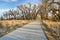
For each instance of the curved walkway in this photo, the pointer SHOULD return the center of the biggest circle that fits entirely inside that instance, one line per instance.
(31, 31)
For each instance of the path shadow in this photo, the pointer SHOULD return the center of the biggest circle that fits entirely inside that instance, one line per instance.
(50, 30)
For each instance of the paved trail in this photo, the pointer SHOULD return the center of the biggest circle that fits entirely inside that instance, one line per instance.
(31, 31)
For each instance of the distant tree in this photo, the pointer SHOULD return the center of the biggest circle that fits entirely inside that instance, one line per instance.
(44, 8)
(29, 11)
(1, 17)
(11, 14)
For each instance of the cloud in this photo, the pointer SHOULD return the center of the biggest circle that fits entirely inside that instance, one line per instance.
(2, 11)
(6, 10)
(14, 0)
(9, 0)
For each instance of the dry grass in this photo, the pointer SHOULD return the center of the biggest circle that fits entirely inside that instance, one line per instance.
(14, 22)
(7, 26)
(50, 28)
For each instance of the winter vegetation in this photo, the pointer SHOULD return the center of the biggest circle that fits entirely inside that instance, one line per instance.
(48, 10)
(7, 26)
(23, 12)
(51, 19)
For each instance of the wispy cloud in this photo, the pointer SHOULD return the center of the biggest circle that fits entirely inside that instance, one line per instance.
(9, 0)
(2, 11)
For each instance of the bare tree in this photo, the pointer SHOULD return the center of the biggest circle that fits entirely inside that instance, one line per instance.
(28, 12)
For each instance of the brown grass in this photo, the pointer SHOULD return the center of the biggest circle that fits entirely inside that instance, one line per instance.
(14, 22)
(50, 29)
(7, 26)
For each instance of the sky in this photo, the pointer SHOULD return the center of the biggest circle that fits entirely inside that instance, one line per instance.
(5, 5)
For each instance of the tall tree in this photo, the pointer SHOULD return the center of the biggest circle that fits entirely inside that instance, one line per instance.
(29, 11)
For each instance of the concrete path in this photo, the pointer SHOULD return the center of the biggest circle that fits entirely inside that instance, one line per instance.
(32, 31)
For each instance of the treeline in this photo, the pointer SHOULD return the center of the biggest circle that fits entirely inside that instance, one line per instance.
(51, 6)
(23, 12)
(30, 11)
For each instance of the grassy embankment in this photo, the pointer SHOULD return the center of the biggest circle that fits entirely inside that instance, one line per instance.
(50, 28)
(7, 26)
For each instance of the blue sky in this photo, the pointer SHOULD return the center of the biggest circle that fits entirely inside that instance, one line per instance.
(9, 4)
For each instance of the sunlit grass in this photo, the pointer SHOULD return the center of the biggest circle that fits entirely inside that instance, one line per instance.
(7, 26)
(14, 22)
(50, 28)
